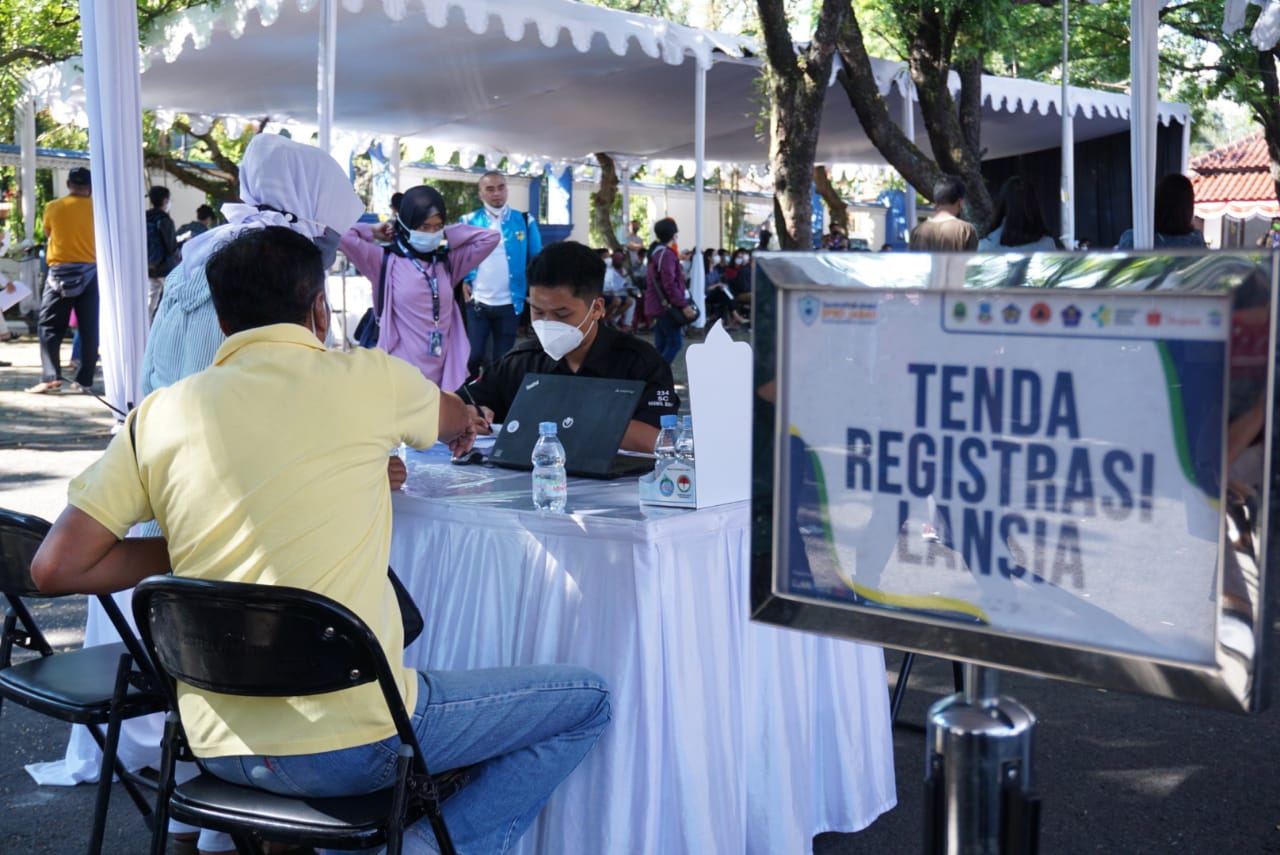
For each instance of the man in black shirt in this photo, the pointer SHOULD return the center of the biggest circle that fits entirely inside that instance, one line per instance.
(566, 307)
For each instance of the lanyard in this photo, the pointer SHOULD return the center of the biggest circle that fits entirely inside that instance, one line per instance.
(431, 280)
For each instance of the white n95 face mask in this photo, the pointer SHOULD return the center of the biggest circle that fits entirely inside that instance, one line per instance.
(557, 338)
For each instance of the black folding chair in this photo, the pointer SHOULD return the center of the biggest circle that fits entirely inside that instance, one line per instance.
(272, 641)
(93, 686)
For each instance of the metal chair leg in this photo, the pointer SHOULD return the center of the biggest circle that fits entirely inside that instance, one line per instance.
(107, 767)
(900, 688)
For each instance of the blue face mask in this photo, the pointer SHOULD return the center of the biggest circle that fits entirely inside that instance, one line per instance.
(425, 242)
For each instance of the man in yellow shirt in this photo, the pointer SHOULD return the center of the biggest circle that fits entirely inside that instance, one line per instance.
(72, 284)
(254, 476)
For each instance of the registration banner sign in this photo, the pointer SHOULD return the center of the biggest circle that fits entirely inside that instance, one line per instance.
(993, 473)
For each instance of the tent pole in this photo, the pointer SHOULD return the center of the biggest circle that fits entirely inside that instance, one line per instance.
(1186, 145)
(626, 196)
(324, 85)
(1068, 224)
(1144, 24)
(27, 144)
(698, 285)
(395, 164)
(909, 128)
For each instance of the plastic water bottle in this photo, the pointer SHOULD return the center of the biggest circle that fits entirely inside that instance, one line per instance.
(664, 447)
(550, 483)
(684, 439)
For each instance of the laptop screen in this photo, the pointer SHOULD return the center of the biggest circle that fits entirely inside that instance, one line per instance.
(591, 415)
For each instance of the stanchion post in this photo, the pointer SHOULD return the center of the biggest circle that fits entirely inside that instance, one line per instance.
(979, 796)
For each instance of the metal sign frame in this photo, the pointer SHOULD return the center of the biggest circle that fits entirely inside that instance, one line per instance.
(1233, 680)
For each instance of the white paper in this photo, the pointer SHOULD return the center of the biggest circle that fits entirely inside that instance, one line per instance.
(9, 296)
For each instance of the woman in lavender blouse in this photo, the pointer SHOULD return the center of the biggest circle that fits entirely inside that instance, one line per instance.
(421, 322)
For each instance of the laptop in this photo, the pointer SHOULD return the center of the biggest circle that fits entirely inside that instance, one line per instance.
(591, 415)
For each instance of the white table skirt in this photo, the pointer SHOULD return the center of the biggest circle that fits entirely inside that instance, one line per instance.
(727, 736)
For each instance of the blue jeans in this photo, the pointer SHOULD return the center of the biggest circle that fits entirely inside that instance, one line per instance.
(528, 726)
(485, 323)
(667, 338)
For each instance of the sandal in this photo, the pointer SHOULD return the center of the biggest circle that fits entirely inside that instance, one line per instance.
(44, 387)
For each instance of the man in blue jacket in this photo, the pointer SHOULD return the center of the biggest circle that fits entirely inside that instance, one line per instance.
(495, 293)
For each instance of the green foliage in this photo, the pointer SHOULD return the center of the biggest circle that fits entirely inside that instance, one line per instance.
(639, 211)
(460, 197)
(1199, 65)
(672, 10)
(34, 33)
(44, 193)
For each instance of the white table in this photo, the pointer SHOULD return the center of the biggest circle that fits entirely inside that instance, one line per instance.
(727, 736)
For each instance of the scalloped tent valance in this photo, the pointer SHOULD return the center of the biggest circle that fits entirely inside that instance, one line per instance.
(552, 79)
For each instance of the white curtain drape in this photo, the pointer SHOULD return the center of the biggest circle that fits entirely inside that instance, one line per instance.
(114, 103)
(698, 279)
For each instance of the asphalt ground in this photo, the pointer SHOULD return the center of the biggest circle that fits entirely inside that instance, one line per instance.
(1118, 773)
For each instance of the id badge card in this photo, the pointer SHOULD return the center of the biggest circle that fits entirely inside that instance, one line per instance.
(435, 344)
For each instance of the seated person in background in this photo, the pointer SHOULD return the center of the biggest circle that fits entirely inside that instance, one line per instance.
(618, 303)
(836, 240)
(1175, 215)
(719, 297)
(301, 500)
(1018, 222)
(566, 305)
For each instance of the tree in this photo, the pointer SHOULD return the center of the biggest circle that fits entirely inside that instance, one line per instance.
(1244, 73)
(836, 205)
(188, 163)
(602, 202)
(796, 78)
(934, 38)
(35, 33)
(1199, 64)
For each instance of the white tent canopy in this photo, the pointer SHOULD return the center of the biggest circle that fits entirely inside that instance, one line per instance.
(546, 78)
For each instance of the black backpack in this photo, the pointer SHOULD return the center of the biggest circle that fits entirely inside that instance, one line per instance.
(156, 254)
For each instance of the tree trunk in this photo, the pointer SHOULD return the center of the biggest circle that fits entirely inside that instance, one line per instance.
(981, 206)
(859, 83)
(797, 82)
(602, 206)
(218, 191)
(838, 207)
(954, 131)
(1267, 111)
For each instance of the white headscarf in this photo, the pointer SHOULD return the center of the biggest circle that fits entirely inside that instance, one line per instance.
(305, 186)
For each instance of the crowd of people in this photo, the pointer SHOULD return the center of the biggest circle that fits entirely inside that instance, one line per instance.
(452, 296)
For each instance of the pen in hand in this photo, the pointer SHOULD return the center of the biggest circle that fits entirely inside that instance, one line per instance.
(483, 423)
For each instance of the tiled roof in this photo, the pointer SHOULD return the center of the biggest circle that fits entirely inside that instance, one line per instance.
(1238, 173)
(1253, 186)
(1246, 153)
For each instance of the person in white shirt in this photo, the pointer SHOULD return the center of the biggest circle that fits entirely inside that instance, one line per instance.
(494, 294)
(619, 305)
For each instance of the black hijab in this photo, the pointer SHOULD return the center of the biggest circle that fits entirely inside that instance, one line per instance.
(418, 205)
